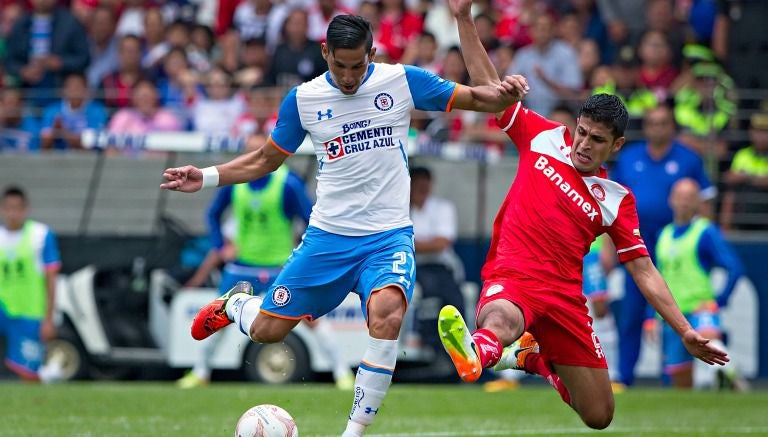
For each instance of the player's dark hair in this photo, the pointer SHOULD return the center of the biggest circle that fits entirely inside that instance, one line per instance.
(14, 191)
(607, 109)
(421, 173)
(349, 32)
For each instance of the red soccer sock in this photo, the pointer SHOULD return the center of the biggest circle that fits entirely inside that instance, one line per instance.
(536, 363)
(488, 347)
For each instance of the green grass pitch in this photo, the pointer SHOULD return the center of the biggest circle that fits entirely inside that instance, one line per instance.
(160, 409)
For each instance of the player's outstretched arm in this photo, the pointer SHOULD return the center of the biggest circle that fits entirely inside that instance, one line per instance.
(479, 65)
(246, 167)
(656, 291)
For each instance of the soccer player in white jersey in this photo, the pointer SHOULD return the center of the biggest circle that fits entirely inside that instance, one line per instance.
(360, 236)
(531, 301)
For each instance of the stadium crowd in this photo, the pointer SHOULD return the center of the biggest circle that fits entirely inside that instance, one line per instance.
(222, 66)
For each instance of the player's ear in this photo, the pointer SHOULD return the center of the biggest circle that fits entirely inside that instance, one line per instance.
(325, 51)
(617, 143)
(372, 54)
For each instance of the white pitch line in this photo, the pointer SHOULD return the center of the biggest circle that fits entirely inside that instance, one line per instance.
(579, 430)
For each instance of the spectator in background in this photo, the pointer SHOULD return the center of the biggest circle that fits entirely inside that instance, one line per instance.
(103, 46)
(656, 70)
(589, 60)
(550, 65)
(622, 81)
(649, 168)
(117, 87)
(297, 58)
(260, 19)
(254, 63)
(64, 121)
(399, 26)
(132, 18)
(435, 229)
(201, 46)
(29, 264)
(44, 46)
(320, 14)
(158, 38)
(261, 116)
(687, 251)
(623, 20)
(19, 130)
(740, 41)
(145, 115)
(215, 111)
(9, 14)
(745, 203)
(423, 53)
(176, 76)
(704, 107)
(660, 17)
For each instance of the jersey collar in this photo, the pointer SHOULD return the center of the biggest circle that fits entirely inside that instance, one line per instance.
(367, 75)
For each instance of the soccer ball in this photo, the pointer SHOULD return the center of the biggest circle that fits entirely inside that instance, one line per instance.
(266, 421)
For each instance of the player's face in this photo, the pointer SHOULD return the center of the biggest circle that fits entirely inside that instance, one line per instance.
(593, 143)
(13, 211)
(348, 66)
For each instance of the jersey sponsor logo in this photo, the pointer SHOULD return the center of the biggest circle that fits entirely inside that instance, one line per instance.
(543, 164)
(334, 148)
(598, 191)
(328, 114)
(281, 296)
(359, 141)
(383, 102)
(360, 124)
(494, 289)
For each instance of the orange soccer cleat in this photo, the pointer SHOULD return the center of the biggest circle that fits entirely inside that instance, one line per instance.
(515, 354)
(213, 316)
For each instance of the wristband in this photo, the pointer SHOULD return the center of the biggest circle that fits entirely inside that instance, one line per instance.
(210, 177)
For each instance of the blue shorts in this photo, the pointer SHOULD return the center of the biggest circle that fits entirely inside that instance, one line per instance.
(675, 356)
(24, 351)
(326, 267)
(259, 277)
(595, 286)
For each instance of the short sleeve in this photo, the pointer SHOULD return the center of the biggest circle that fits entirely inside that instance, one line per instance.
(625, 231)
(430, 92)
(51, 255)
(522, 125)
(288, 133)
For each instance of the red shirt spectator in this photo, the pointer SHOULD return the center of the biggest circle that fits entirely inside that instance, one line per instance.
(398, 27)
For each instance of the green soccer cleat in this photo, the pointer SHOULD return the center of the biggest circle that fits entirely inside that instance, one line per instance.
(457, 341)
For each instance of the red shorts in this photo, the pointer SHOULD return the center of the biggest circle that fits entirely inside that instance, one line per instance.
(558, 320)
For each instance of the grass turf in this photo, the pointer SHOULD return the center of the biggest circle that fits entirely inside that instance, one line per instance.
(160, 409)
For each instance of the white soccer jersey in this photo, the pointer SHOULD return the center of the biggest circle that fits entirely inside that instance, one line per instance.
(361, 141)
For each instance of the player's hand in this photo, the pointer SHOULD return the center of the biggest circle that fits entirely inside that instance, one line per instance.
(460, 7)
(699, 347)
(514, 87)
(47, 330)
(187, 179)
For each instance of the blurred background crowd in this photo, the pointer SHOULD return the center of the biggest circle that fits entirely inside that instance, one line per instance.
(222, 66)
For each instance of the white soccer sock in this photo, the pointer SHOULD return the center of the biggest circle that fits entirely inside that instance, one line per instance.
(242, 309)
(371, 384)
(332, 349)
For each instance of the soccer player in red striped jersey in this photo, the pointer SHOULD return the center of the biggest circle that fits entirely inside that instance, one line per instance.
(532, 314)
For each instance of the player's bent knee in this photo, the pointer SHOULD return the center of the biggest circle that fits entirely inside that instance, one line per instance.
(261, 335)
(598, 418)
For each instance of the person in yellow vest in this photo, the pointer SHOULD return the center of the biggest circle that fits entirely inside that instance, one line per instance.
(686, 251)
(29, 263)
(747, 179)
(255, 248)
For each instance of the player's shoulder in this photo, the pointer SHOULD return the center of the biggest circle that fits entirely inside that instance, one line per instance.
(681, 151)
(39, 230)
